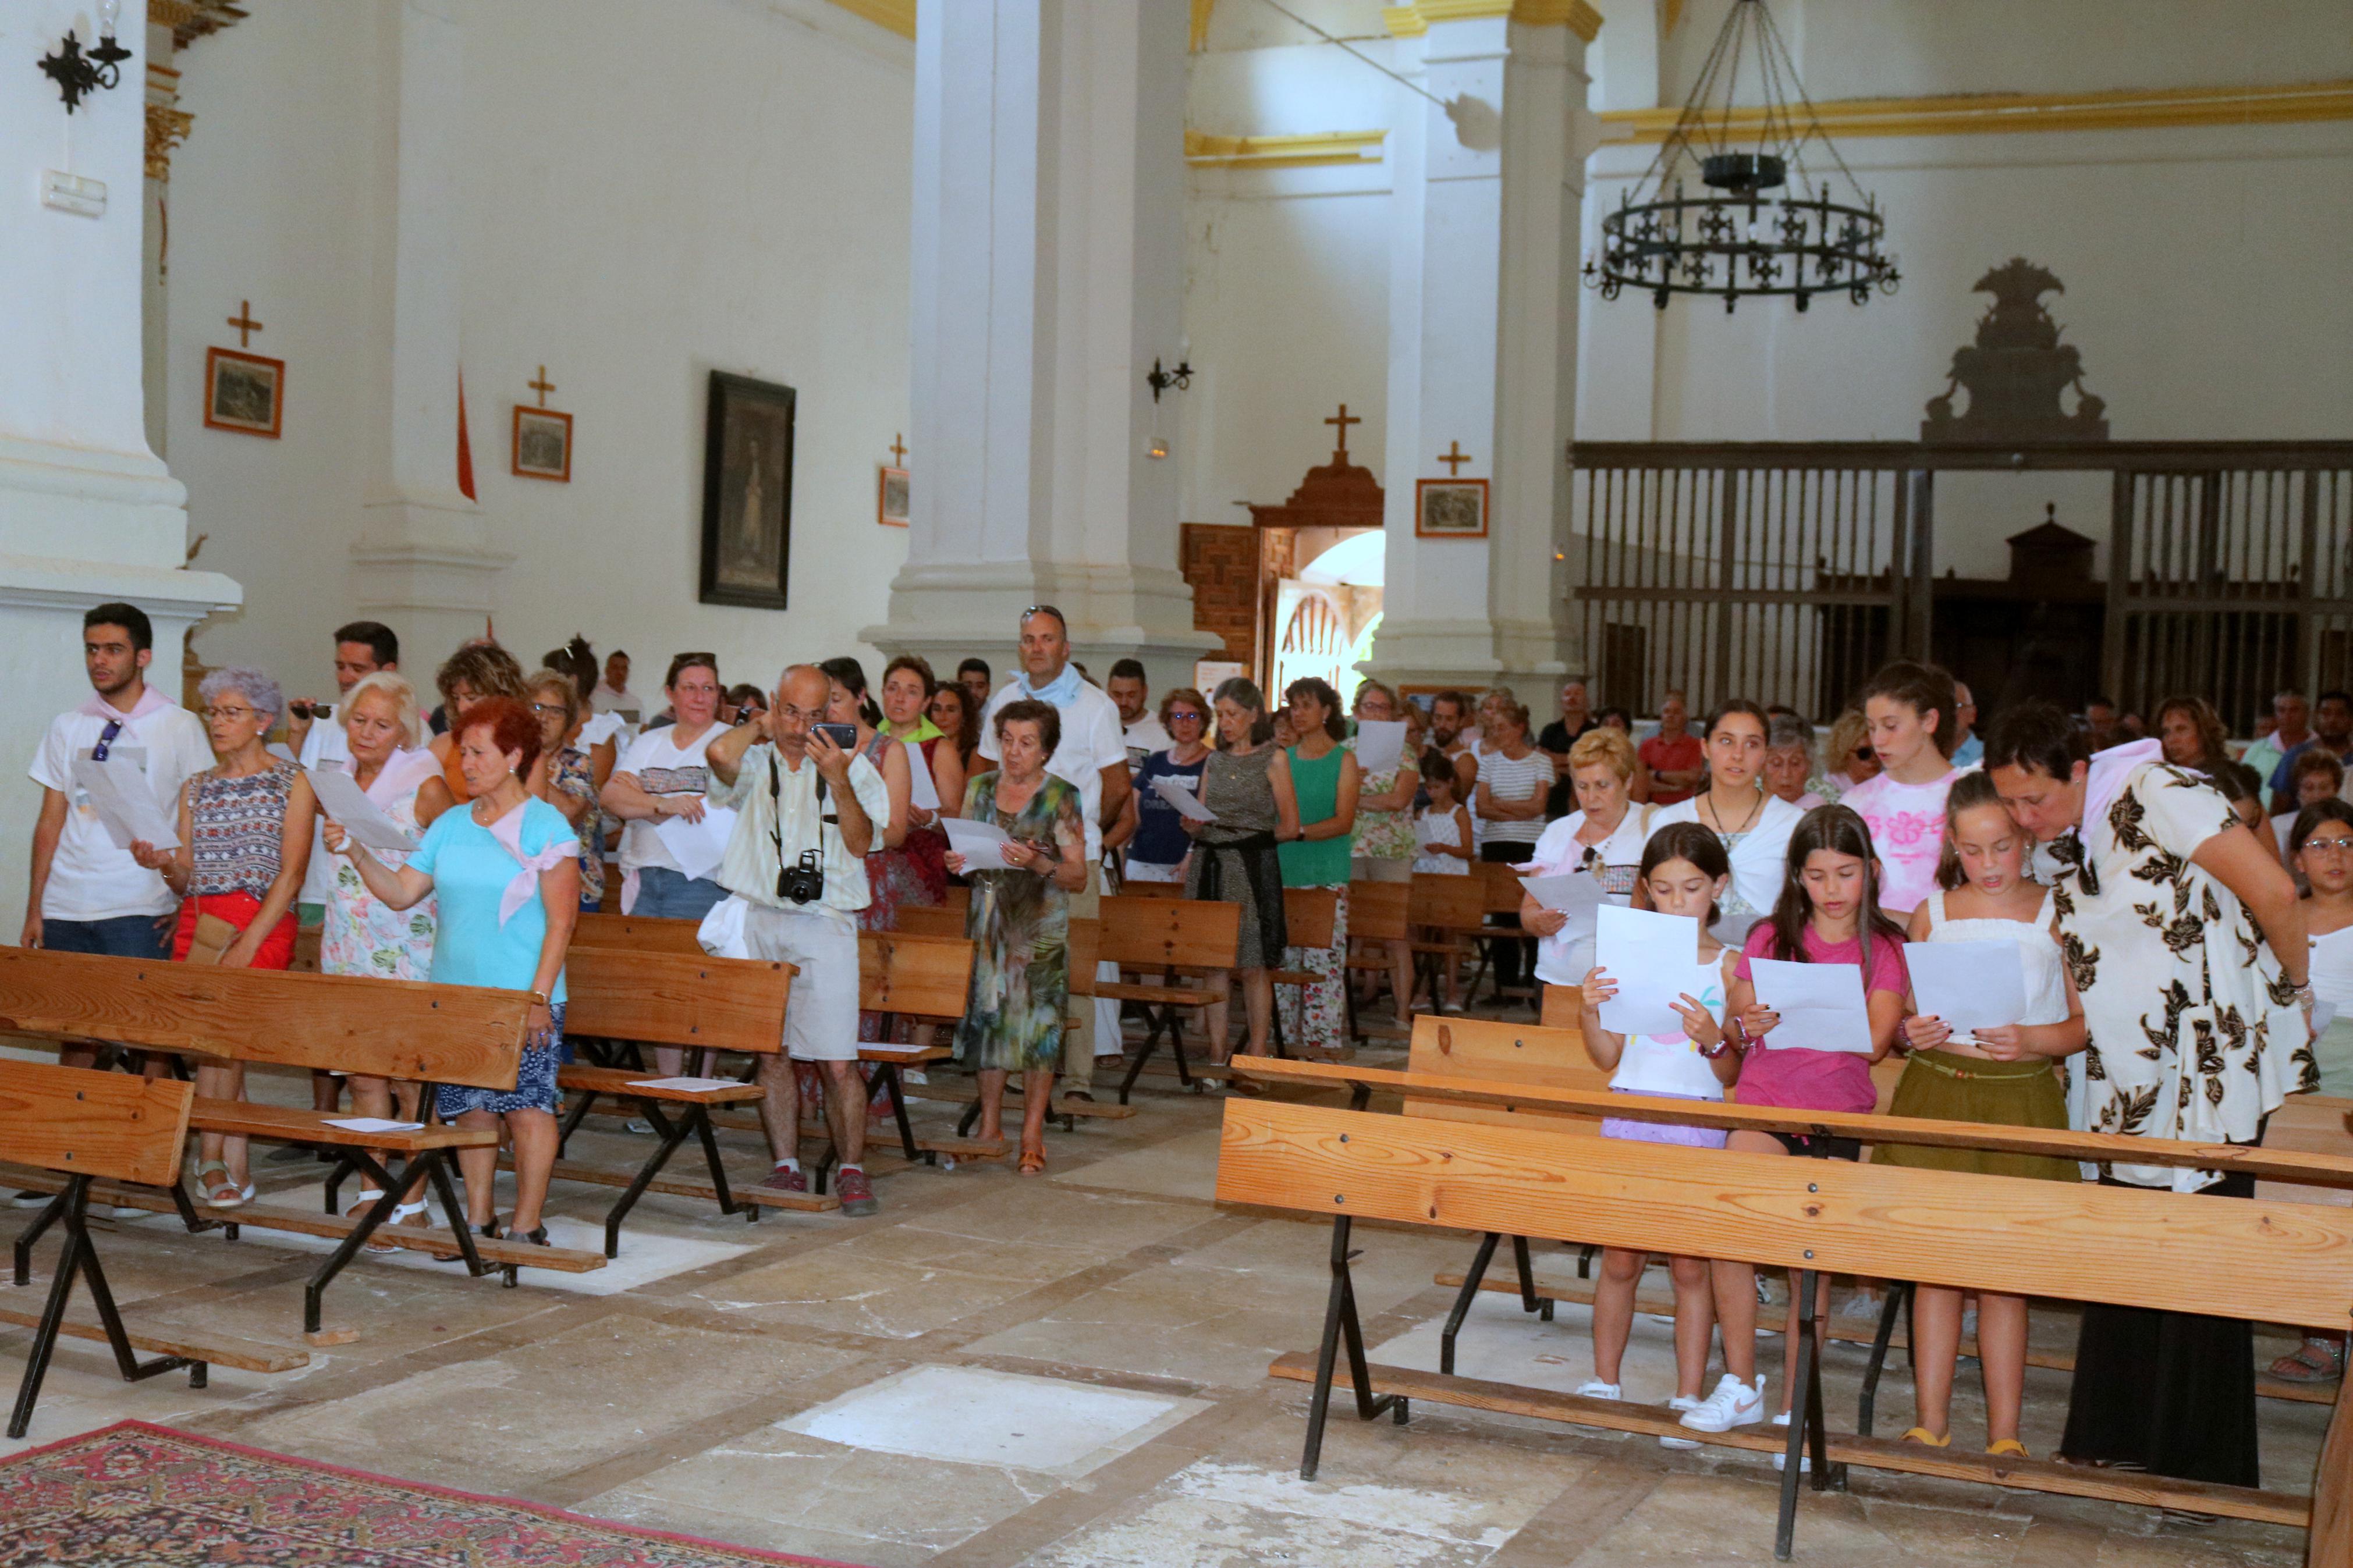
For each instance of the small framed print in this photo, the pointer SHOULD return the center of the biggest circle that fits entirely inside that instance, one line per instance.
(890, 497)
(542, 445)
(243, 392)
(1450, 509)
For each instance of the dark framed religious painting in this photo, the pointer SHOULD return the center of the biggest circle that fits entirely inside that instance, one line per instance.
(890, 497)
(747, 492)
(542, 445)
(245, 392)
(1450, 509)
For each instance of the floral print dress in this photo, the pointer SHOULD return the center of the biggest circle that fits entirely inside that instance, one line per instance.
(1019, 923)
(363, 934)
(574, 777)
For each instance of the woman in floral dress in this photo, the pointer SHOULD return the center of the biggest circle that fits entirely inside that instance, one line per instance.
(1019, 923)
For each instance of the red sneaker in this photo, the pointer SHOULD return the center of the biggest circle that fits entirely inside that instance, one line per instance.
(786, 1179)
(856, 1194)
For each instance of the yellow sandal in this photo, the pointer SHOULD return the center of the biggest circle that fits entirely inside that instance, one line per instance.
(2009, 1448)
(1922, 1436)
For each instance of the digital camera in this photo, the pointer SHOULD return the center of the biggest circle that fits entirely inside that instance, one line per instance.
(802, 882)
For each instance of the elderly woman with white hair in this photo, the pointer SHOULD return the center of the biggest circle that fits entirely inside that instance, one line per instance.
(245, 838)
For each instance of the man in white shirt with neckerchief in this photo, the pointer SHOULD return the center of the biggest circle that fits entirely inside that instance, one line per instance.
(1093, 756)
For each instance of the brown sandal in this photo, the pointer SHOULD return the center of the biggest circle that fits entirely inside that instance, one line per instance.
(1033, 1159)
(2319, 1359)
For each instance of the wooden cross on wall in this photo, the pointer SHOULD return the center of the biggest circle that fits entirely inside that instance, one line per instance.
(898, 450)
(1454, 457)
(1342, 420)
(245, 324)
(542, 386)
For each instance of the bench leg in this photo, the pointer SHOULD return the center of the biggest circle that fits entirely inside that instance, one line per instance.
(1528, 1302)
(889, 1073)
(1899, 1294)
(49, 1215)
(314, 1291)
(1177, 1048)
(1340, 1323)
(572, 1121)
(701, 1119)
(1805, 1420)
(433, 1169)
(1464, 1297)
(672, 1137)
(1151, 1043)
(79, 1259)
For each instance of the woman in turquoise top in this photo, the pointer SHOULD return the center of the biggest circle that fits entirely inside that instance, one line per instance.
(505, 874)
(1326, 777)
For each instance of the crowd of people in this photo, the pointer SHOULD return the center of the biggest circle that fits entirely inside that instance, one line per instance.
(520, 793)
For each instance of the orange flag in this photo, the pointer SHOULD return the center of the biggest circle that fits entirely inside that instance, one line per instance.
(465, 448)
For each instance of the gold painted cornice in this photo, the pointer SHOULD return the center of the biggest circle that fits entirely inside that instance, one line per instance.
(894, 15)
(2006, 112)
(1203, 151)
(1413, 20)
(1200, 35)
(166, 128)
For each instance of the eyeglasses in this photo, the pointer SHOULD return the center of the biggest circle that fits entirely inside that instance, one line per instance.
(2342, 845)
(544, 709)
(1185, 713)
(229, 713)
(1060, 619)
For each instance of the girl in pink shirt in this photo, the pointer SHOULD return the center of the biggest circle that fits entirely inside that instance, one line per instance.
(1829, 912)
(1913, 718)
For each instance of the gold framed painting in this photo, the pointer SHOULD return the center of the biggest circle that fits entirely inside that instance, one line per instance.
(1450, 509)
(542, 445)
(244, 393)
(890, 490)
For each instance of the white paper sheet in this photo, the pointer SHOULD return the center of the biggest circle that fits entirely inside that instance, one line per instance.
(341, 797)
(982, 844)
(1576, 894)
(684, 1085)
(1380, 744)
(1970, 985)
(372, 1124)
(1822, 1005)
(127, 808)
(697, 847)
(1187, 803)
(1651, 957)
(924, 791)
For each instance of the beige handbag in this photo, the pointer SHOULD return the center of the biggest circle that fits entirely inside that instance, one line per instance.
(214, 936)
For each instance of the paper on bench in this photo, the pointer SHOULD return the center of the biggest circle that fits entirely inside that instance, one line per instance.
(982, 844)
(698, 847)
(1187, 803)
(1651, 957)
(1969, 985)
(341, 797)
(923, 790)
(685, 1084)
(373, 1124)
(127, 808)
(1380, 744)
(1822, 1005)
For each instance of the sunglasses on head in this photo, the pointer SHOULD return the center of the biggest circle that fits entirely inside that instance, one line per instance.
(1864, 753)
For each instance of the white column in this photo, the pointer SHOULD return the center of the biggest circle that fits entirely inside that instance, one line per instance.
(423, 562)
(1483, 343)
(88, 512)
(1047, 275)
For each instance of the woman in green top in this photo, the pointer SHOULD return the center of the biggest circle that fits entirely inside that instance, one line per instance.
(1326, 779)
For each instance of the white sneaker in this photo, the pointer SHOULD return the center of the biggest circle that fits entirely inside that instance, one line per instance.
(1733, 1403)
(1782, 1456)
(1680, 1402)
(1594, 1388)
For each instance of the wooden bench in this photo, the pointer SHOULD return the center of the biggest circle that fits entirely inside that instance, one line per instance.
(649, 998)
(2285, 1262)
(84, 1126)
(428, 1034)
(1450, 912)
(1167, 936)
(1376, 914)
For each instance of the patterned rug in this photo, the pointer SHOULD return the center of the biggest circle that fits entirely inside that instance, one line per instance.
(133, 1493)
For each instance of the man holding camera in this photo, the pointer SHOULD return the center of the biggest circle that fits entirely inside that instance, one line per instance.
(806, 809)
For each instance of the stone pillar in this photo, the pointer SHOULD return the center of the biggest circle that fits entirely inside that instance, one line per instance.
(1047, 275)
(1483, 332)
(88, 512)
(423, 561)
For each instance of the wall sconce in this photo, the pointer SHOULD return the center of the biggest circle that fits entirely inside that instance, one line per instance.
(1161, 380)
(1158, 448)
(78, 75)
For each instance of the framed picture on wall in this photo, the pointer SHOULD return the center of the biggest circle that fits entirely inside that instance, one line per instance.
(1450, 509)
(243, 392)
(542, 445)
(890, 497)
(747, 492)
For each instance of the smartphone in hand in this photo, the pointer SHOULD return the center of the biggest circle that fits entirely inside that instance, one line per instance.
(842, 735)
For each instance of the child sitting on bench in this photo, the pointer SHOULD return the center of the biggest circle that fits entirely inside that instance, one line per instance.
(1685, 870)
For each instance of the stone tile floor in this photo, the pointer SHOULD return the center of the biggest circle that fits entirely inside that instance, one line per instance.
(1095, 1346)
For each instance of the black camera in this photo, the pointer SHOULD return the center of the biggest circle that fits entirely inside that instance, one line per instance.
(803, 882)
(303, 709)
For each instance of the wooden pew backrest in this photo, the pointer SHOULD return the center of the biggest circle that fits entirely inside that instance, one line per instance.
(83, 1123)
(930, 920)
(671, 999)
(1501, 886)
(437, 1034)
(636, 932)
(1519, 1053)
(1446, 903)
(1086, 945)
(1171, 933)
(1309, 915)
(1563, 1009)
(2289, 1263)
(913, 976)
(1377, 910)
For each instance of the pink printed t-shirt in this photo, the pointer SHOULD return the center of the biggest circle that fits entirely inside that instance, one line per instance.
(1790, 1076)
(1907, 832)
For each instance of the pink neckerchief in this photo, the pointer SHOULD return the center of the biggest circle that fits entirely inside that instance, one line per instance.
(105, 712)
(508, 831)
(2105, 778)
(402, 773)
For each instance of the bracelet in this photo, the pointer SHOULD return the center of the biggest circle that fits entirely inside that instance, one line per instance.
(1722, 1045)
(1735, 1034)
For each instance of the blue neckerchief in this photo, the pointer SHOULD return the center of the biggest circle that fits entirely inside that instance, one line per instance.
(1060, 691)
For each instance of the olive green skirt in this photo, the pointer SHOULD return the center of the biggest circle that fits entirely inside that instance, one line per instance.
(1943, 1085)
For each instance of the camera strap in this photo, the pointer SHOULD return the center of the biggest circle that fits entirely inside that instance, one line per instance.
(776, 808)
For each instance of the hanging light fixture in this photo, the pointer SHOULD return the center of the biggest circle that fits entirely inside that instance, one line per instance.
(1767, 225)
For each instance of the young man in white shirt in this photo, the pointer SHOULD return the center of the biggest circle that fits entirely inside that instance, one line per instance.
(1093, 756)
(796, 791)
(87, 895)
(1132, 695)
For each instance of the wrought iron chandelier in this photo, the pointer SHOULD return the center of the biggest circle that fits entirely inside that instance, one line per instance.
(1767, 225)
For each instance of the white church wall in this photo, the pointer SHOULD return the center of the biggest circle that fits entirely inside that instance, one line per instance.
(642, 204)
